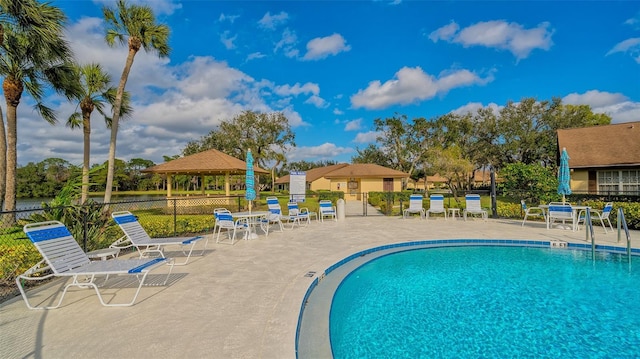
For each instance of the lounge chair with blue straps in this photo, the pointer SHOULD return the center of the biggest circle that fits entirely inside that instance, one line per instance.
(136, 236)
(63, 257)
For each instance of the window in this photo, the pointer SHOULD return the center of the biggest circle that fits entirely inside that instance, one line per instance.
(623, 181)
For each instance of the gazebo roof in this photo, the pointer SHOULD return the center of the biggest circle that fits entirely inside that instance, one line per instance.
(210, 162)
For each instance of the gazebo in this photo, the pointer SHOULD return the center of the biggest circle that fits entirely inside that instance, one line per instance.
(206, 163)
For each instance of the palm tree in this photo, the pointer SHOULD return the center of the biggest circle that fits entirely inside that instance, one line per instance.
(33, 54)
(95, 93)
(135, 24)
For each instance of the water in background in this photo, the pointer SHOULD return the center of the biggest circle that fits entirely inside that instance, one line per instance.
(31, 203)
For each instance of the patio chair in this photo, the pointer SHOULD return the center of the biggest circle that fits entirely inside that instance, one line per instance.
(64, 258)
(136, 236)
(436, 205)
(561, 212)
(299, 214)
(274, 207)
(415, 206)
(534, 212)
(271, 219)
(225, 221)
(596, 215)
(473, 207)
(327, 209)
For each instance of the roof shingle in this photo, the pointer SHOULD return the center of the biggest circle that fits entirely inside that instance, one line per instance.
(615, 145)
(210, 162)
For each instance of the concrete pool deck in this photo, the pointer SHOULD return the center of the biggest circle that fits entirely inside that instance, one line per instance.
(239, 301)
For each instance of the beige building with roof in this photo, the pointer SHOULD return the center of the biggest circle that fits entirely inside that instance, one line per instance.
(603, 159)
(352, 179)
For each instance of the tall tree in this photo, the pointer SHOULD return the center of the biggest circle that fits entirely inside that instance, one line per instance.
(268, 135)
(33, 55)
(96, 92)
(399, 141)
(136, 25)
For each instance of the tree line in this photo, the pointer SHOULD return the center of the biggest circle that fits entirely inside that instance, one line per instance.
(457, 145)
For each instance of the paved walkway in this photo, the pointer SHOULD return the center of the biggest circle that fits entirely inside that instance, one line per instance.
(239, 301)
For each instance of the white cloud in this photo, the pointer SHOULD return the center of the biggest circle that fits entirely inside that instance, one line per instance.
(159, 7)
(630, 46)
(325, 151)
(321, 47)
(615, 105)
(353, 125)
(337, 111)
(297, 89)
(498, 34)
(255, 55)
(227, 40)
(270, 22)
(366, 137)
(445, 33)
(287, 43)
(317, 101)
(411, 85)
(473, 107)
(231, 18)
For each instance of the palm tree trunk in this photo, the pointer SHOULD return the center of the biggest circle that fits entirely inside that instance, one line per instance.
(114, 124)
(86, 128)
(3, 161)
(12, 160)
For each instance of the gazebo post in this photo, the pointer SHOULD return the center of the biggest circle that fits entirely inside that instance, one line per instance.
(169, 184)
(202, 184)
(227, 189)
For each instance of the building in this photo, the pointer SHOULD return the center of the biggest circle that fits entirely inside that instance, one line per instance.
(603, 159)
(352, 179)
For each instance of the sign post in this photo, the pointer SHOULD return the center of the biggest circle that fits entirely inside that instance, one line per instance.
(297, 186)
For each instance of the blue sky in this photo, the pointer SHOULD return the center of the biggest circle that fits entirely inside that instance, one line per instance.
(334, 66)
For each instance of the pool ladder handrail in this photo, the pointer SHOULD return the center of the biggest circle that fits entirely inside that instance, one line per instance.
(589, 231)
(622, 224)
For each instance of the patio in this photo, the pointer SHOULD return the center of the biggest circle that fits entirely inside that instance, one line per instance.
(239, 301)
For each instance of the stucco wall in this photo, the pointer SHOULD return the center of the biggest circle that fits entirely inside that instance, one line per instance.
(580, 181)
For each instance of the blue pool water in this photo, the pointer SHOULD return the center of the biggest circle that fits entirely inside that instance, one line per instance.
(488, 302)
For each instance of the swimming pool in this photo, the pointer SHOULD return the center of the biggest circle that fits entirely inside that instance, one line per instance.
(488, 301)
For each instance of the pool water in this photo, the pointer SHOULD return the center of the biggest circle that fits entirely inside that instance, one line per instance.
(489, 302)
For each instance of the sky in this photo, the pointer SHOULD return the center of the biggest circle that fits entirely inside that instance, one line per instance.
(333, 67)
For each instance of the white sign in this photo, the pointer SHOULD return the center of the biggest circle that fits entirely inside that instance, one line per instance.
(297, 186)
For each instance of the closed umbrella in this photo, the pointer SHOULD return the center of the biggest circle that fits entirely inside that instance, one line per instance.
(250, 193)
(563, 175)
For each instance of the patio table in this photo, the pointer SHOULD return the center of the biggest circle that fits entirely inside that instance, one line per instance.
(252, 219)
(575, 209)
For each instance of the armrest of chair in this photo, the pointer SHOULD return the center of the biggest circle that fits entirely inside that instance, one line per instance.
(122, 243)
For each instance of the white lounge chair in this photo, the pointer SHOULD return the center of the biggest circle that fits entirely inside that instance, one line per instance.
(602, 216)
(136, 236)
(473, 207)
(534, 212)
(64, 258)
(224, 220)
(436, 205)
(415, 206)
(561, 212)
(327, 209)
(276, 209)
